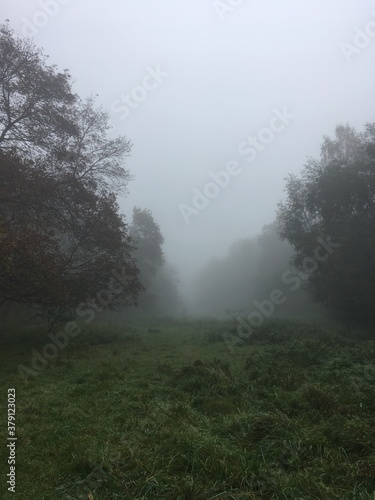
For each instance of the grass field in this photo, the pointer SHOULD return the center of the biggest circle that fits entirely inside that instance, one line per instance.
(165, 411)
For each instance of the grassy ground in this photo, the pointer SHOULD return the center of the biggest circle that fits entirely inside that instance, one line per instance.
(166, 411)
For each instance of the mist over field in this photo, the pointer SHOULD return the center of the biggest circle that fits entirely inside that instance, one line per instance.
(221, 102)
(187, 235)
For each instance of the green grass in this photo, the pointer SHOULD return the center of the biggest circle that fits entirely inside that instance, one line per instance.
(125, 412)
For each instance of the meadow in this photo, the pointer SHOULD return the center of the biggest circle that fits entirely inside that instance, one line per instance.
(163, 410)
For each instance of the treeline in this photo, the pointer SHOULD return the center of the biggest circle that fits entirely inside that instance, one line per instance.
(318, 257)
(63, 237)
(253, 268)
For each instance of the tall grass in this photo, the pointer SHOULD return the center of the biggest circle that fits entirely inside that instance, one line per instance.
(162, 410)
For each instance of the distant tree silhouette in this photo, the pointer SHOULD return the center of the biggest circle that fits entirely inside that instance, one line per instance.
(148, 253)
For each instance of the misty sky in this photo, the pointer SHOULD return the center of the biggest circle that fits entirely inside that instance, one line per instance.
(203, 77)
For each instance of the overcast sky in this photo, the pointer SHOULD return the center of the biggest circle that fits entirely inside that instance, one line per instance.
(200, 86)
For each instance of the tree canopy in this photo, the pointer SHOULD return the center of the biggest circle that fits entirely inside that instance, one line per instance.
(334, 198)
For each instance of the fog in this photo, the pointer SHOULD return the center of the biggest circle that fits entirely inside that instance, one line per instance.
(206, 87)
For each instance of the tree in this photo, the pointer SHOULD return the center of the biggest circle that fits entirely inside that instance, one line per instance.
(334, 199)
(148, 241)
(148, 253)
(34, 97)
(43, 120)
(61, 231)
(61, 242)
